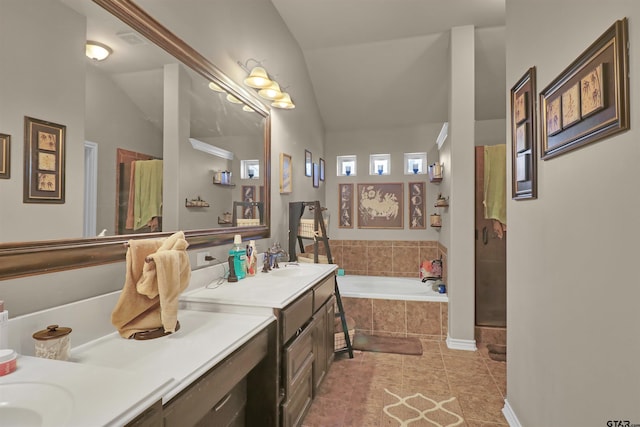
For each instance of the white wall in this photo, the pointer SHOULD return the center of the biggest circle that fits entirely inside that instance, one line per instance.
(35, 94)
(393, 141)
(572, 254)
(229, 30)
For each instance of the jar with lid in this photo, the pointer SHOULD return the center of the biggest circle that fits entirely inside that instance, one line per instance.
(53, 343)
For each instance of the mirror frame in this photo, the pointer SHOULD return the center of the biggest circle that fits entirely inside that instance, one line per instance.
(19, 259)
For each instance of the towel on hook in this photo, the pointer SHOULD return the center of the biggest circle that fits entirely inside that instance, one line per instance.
(495, 182)
(149, 298)
(148, 192)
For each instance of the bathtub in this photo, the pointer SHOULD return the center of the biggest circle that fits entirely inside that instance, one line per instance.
(397, 306)
(390, 288)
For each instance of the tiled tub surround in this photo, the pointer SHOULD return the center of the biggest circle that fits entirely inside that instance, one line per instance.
(398, 318)
(397, 258)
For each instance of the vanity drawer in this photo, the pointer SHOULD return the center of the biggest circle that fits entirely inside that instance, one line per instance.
(296, 315)
(299, 400)
(296, 358)
(229, 411)
(210, 390)
(152, 417)
(323, 291)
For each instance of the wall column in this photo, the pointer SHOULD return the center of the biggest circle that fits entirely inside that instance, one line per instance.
(460, 174)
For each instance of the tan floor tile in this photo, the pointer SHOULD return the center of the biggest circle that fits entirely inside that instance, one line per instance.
(476, 384)
(465, 364)
(482, 408)
(325, 413)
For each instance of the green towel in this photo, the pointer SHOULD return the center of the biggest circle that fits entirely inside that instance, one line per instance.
(495, 182)
(148, 192)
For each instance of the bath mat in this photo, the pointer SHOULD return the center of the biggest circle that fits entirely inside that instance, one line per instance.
(399, 345)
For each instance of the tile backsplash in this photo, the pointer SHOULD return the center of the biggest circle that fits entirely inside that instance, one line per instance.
(396, 258)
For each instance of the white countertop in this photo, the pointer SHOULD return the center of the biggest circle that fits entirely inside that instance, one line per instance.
(276, 288)
(113, 379)
(88, 395)
(204, 340)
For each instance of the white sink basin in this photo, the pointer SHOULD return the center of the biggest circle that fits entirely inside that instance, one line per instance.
(34, 404)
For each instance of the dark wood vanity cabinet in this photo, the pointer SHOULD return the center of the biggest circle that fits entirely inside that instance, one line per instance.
(307, 351)
(223, 396)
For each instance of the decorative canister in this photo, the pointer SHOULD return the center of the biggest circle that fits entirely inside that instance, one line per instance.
(53, 343)
(435, 220)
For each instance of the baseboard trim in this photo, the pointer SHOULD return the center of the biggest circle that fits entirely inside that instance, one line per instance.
(510, 416)
(457, 344)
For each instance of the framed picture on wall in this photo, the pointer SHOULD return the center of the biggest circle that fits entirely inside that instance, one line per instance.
(308, 165)
(589, 100)
(321, 169)
(417, 205)
(44, 161)
(345, 202)
(380, 205)
(523, 138)
(248, 195)
(316, 175)
(5, 156)
(286, 182)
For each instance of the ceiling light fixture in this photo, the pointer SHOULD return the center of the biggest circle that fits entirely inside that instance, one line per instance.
(97, 51)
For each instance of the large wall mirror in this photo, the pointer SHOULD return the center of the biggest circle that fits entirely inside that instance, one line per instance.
(152, 114)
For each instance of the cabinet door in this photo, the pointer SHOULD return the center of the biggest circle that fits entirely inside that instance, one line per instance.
(319, 327)
(330, 330)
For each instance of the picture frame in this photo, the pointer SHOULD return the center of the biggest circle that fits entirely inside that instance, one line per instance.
(321, 169)
(44, 161)
(381, 205)
(523, 138)
(308, 164)
(249, 195)
(5, 156)
(598, 83)
(345, 202)
(316, 175)
(417, 205)
(286, 179)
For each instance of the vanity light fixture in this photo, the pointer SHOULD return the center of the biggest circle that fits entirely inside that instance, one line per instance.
(284, 102)
(216, 88)
(211, 149)
(258, 78)
(248, 109)
(233, 99)
(97, 51)
(272, 92)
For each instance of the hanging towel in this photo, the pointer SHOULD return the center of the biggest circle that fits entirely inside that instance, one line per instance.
(132, 197)
(148, 192)
(149, 298)
(495, 182)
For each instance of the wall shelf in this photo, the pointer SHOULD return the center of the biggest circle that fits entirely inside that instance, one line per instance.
(196, 203)
(222, 184)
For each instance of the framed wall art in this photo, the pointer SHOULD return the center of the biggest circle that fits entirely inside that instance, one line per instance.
(321, 169)
(44, 161)
(316, 175)
(286, 182)
(5, 156)
(523, 137)
(417, 205)
(248, 195)
(308, 165)
(589, 100)
(345, 201)
(380, 205)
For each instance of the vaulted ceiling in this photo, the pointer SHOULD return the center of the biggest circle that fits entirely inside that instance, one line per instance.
(385, 63)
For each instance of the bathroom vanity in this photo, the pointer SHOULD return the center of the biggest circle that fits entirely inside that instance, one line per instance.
(248, 353)
(301, 298)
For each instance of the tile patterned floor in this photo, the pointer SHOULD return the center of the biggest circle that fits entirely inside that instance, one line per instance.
(442, 387)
